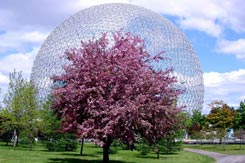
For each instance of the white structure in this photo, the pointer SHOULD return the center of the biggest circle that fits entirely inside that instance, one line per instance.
(158, 33)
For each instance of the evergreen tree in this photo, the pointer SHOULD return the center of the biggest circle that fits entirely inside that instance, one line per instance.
(240, 117)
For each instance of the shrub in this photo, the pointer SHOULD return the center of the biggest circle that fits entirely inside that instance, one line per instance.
(142, 146)
(65, 142)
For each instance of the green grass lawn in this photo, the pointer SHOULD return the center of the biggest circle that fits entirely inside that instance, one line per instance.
(92, 154)
(227, 149)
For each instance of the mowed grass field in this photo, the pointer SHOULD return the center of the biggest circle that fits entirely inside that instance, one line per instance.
(92, 154)
(230, 149)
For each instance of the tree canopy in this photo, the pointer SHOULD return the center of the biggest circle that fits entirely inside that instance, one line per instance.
(20, 109)
(221, 115)
(240, 116)
(196, 123)
(110, 90)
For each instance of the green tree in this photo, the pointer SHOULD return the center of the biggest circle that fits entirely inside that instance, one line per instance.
(221, 118)
(13, 106)
(198, 123)
(49, 123)
(239, 124)
(21, 107)
(50, 133)
(30, 117)
(5, 134)
(240, 117)
(169, 144)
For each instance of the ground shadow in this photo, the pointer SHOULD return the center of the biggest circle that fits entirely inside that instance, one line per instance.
(100, 152)
(75, 160)
(162, 155)
(95, 146)
(78, 155)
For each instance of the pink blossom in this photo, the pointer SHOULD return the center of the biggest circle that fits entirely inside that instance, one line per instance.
(113, 90)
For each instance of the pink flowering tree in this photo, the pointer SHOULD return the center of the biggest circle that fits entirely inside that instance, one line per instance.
(110, 90)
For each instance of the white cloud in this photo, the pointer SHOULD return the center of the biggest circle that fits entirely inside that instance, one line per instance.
(43, 13)
(34, 36)
(3, 79)
(236, 48)
(19, 61)
(20, 40)
(184, 8)
(85, 4)
(219, 15)
(191, 14)
(205, 25)
(228, 87)
(208, 16)
(5, 18)
(202, 15)
(235, 15)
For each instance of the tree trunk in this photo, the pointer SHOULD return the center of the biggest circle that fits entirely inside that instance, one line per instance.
(15, 139)
(31, 140)
(223, 145)
(105, 154)
(220, 140)
(106, 148)
(81, 149)
(31, 145)
(241, 144)
(158, 154)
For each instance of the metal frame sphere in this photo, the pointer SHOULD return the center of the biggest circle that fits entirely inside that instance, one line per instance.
(158, 33)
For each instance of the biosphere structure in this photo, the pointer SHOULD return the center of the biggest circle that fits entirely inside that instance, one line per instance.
(158, 33)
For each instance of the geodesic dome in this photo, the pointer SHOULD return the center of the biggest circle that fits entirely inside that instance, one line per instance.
(158, 33)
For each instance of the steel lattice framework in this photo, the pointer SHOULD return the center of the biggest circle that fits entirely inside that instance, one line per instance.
(158, 33)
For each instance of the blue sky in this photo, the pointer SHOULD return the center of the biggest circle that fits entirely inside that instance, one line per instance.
(216, 29)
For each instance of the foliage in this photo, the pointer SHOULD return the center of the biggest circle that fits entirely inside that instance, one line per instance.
(111, 91)
(116, 146)
(62, 142)
(168, 145)
(142, 146)
(13, 109)
(240, 117)
(197, 124)
(221, 115)
(171, 143)
(21, 107)
(49, 124)
(31, 112)
(49, 131)
(5, 133)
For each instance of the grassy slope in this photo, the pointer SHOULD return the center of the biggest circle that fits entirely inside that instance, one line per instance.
(92, 154)
(227, 149)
